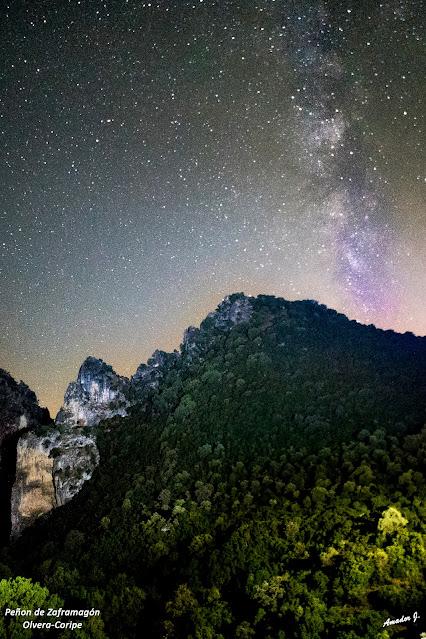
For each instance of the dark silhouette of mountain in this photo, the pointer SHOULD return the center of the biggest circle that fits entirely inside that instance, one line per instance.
(19, 407)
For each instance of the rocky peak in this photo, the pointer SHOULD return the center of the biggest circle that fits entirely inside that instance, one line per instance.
(97, 394)
(52, 466)
(148, 375)
(190, 334)
(189, 343)
(234, 309)
(99, 380)
(159, 358)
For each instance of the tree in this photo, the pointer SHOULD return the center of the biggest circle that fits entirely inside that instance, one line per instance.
(391, 521)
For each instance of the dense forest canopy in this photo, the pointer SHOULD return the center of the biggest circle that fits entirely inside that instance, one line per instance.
(272, 486)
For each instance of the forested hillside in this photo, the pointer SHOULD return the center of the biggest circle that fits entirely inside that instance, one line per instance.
(271, 486)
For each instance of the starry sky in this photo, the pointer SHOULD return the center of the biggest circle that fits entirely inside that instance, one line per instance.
(157, 156)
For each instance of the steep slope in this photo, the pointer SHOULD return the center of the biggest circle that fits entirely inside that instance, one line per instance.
(19, 412)
(269, 485)
(53, 466)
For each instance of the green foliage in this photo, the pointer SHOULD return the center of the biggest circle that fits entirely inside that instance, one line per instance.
(24, 594)
(271, 487)
(391, 521)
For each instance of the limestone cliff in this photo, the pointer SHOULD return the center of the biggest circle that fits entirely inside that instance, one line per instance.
(50, 470)
(234, 309)
(51, 467)
(75, 458)
(150, 374)
(33, 492)
(19, 412)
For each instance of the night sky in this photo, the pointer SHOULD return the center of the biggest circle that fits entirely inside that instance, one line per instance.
(160, 155)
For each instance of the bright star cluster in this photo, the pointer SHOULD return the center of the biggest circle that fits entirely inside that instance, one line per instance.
(160, 155)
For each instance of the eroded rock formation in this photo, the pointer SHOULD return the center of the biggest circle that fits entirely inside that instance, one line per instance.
(19, 412)
(98, 393)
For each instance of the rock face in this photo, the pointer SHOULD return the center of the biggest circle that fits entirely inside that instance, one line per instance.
(33, 492)
(50, 470)
(97, 394)
(190, 348)
(234, 309)
(149, 375)
(75, 458)
(19, 412)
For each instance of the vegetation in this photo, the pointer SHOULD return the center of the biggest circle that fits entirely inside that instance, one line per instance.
(271, 487)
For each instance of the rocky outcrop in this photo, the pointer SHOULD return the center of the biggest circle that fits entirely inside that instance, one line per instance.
(50, 470)
(150, 374)
(75, 458)
(33, 492)
(19, 412)
(234, 309)
(98, 393)
(190, 347)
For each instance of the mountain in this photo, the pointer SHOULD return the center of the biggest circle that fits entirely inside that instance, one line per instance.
(52, 466)
(268, 481)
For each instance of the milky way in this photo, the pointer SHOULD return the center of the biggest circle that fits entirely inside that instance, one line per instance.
(357, 217)
(160, 155)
